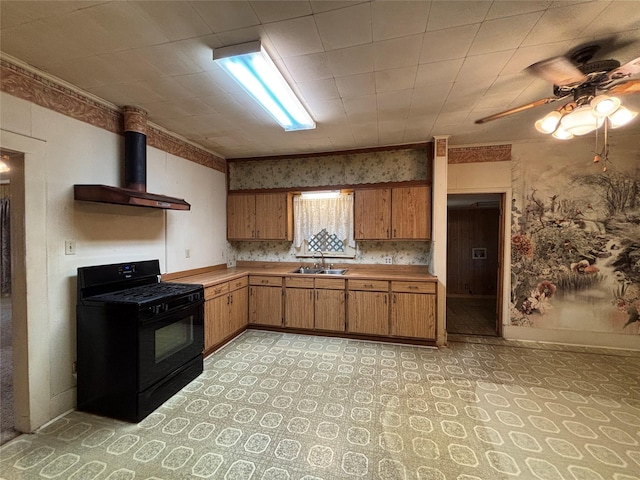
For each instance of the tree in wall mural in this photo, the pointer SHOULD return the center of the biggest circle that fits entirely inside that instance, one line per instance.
(576, 252)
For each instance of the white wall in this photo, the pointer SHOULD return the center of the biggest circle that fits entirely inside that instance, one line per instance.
(75, 153)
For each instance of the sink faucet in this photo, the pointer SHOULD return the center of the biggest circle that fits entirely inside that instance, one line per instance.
(324, 265)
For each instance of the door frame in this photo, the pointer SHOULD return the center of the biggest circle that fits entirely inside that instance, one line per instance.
(30, 306)
(503, 285)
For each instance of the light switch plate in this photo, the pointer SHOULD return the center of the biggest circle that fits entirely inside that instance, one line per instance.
(69, 247)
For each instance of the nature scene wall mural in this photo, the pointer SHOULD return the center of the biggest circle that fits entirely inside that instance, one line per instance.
(575, 241)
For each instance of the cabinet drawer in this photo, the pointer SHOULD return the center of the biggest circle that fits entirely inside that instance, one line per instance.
(216, 290)
(330, 283)
(370, 285)
(414, 287)
(238, 283)
(264, 280)
(299, 282)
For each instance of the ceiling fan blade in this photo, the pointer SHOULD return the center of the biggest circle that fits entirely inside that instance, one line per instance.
(626, 70)
(521, 108)
(624, 88)
(558, 70)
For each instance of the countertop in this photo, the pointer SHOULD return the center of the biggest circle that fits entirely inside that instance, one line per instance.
(280, 269)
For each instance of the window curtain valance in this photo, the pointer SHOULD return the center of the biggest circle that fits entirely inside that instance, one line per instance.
(311, 215)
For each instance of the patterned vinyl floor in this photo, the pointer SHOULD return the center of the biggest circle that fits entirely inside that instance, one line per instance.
(273, 406)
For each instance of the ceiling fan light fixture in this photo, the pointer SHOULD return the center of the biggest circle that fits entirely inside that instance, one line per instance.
(581, 121)
(604, 105)
(621, 117)
(548, 123)
(562, 134)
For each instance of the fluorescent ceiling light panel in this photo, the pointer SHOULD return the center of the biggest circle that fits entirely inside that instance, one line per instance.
(250, 66)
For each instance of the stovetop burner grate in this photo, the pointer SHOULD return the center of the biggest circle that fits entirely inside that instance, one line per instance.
(147, 293)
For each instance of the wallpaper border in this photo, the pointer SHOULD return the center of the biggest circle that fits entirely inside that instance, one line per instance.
(487, 153)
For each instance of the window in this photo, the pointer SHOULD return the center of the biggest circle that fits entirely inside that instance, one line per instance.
(324, 224)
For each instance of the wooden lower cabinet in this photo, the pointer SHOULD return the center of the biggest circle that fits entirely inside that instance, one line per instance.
(368, 312)
(330, 310)
(265, 300)
(225, 311)
(298, 308)
(413, 310)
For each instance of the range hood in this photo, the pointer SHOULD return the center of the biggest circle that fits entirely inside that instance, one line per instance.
(134, 191)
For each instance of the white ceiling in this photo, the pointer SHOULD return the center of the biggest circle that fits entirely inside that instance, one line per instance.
(372, 73)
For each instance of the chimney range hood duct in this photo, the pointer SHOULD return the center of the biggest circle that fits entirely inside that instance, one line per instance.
(135, 172)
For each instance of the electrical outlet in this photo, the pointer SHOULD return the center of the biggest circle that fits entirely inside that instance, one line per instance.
(388, 260)
(466, 286)
(69, 247)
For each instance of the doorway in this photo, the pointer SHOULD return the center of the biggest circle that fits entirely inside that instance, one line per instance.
(8, 164)
(474, 253)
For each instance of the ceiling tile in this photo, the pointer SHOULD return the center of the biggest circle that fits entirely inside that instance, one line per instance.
(168, 59)
(438, 72)
(447, 44)
(503, 33)
(399, 19)
(511, 9)
(346, 27)
(275, 11)
(394, 104)
(309, 67)
(483, 68)
(363, 108)
(177, 20)
(454, 14)
(554, 24)
(318, 90)
(351, 61)
(295, 37)
(129, 23)
(399, 52)
(223, 16)
(356, 85)
(319, 6)
(395, 79)
(200, 50)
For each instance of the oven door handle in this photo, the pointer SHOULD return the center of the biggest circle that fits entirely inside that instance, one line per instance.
(149, 316)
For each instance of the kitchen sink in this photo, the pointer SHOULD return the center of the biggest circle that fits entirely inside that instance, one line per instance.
(320, 271)
(309, 271)
(334, 271)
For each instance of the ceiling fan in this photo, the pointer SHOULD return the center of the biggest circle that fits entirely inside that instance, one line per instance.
(578, 79)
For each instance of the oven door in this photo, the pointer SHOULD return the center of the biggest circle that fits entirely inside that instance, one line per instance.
(168, 341)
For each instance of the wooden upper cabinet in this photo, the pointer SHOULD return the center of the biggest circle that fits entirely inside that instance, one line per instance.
(399, 213)
(372, 214)
(262, 216)
(411, 213)
(272, 215)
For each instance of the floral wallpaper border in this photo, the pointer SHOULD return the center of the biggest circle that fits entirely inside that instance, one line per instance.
(488, 153)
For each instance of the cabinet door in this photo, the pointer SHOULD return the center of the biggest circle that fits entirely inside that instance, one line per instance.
(216, 321)
(413, 315)
(238, 309)
(411, 213)
(241, 216)
(372, 214)
(271, 216)
(298, 307)
(369, 312)
(265, 305)
(330, 310)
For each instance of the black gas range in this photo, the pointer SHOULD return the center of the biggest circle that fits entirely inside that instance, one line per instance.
(139, 340)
